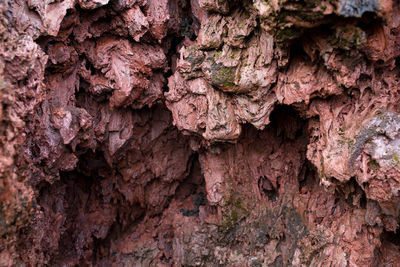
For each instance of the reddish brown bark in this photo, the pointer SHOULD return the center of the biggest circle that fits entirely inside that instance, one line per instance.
(199, 133)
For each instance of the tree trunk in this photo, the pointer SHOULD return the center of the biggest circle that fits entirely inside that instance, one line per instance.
(199, 133)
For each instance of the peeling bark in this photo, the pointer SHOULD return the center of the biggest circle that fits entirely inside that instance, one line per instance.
(199, 133)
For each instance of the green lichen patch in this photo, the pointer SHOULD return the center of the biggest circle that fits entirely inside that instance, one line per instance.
(223, 77)
(373, 164)
(234, 211)
(396, 160)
